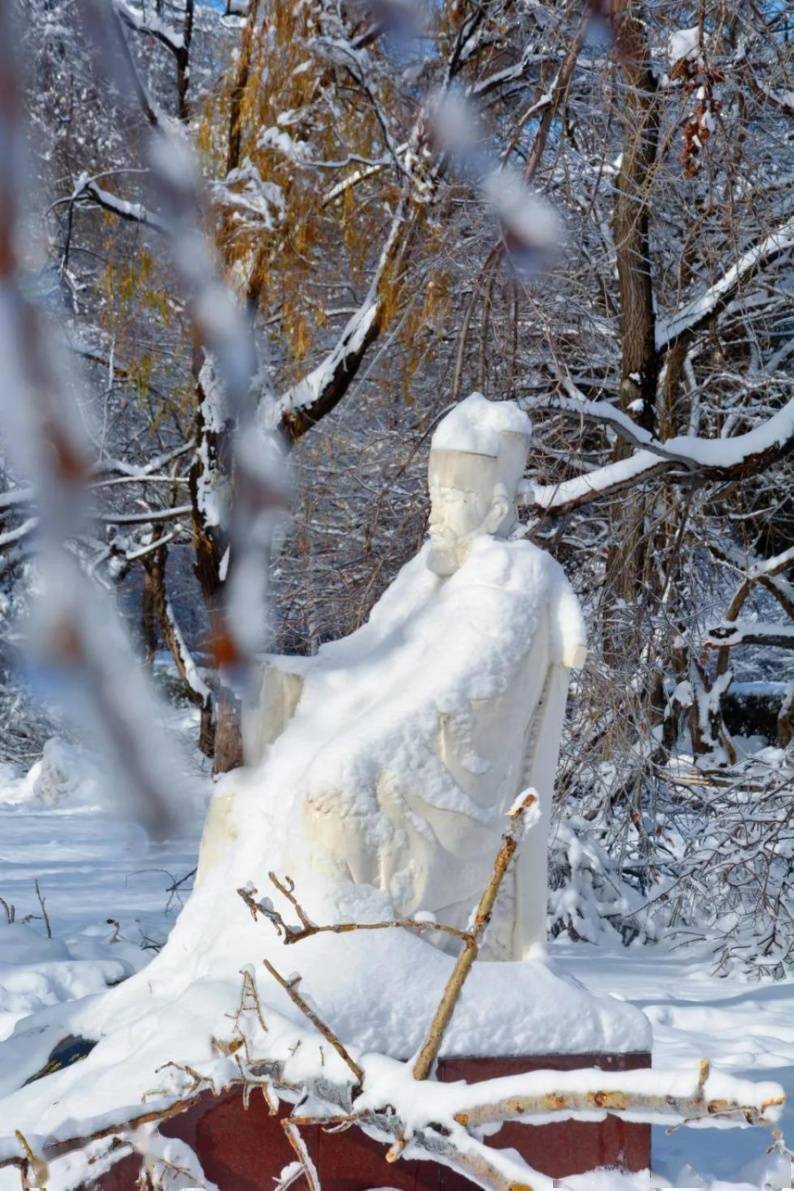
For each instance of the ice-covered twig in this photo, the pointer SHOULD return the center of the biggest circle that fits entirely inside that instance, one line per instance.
(767, 572)
(308, 1168)
(291, 989)
(694, 313)
(529, 226)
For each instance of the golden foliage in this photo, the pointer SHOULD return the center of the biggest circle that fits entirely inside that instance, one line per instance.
(291, 92)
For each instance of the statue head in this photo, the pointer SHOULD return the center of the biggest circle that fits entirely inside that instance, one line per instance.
(477, 458)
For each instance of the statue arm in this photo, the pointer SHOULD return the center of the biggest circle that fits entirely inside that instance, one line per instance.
(568, 651)
(568, 632)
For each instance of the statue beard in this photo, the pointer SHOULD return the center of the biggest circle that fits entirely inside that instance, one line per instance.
(444, 556)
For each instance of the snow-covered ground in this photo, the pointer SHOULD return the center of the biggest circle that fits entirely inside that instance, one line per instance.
(91, 867)
(744, 1029)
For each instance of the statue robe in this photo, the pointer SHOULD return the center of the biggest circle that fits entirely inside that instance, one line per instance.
(395, 754)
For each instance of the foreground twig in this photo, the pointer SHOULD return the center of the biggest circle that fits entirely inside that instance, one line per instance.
(44, 913)
(482, 916)
(291, 989)
(292, 934)
(441, 1130)
(299, 1146)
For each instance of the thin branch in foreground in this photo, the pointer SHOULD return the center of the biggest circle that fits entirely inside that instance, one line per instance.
(482, 917)
(291, 989)
(293, 934)
(294, 1138)
(423, 1064)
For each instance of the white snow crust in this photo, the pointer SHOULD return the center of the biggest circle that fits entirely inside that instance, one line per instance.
(746, 1029)
(683, 43)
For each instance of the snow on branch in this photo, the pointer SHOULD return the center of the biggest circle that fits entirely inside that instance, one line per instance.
(21, 531)
(321, 390)
(750, 632)
(87, 190)
(151, 23)
(767, 572)
(693, 314)
(685, 457)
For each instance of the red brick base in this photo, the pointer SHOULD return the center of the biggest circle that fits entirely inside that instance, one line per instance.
(244, 1150)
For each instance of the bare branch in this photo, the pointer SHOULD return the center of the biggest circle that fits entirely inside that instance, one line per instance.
(291, 989)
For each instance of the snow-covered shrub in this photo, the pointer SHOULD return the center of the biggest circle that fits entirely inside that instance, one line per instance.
(589, 899)
(732, 850)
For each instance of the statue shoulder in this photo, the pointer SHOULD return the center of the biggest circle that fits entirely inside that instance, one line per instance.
(536, 580)
(517, 565)
(568, 631)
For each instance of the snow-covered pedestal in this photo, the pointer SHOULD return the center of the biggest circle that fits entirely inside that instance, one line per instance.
(244, 1149)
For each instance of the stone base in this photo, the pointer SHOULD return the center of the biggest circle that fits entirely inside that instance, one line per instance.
(245, 1149)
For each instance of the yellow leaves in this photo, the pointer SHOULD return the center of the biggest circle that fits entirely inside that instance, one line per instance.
(389, 293)
(107, 282)
(417, 326)
(303, 236)
(126, 283)
(145, 264)
(437, 300)
(140, 373)
(295, 325)
(157, 301)
(348, 210)
(204, 135)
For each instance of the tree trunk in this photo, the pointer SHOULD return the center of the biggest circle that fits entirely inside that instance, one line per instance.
(148, 610)
(210, 487)
(228, 735)
(639, 366)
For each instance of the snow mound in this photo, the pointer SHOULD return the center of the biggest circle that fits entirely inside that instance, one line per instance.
(37, 972)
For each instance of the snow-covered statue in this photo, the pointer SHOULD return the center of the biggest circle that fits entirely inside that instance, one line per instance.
(378, 777)
(395, 753)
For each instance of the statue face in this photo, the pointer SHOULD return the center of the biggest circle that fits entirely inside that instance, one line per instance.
(461, 498)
